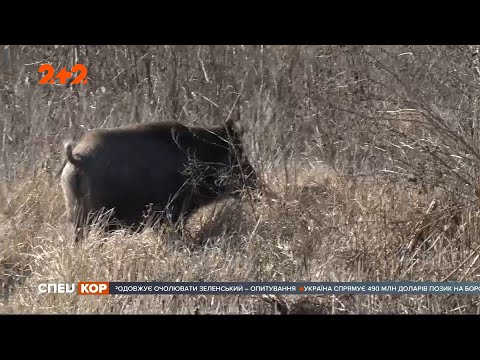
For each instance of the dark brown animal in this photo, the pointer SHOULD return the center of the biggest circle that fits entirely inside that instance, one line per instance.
(162, 171)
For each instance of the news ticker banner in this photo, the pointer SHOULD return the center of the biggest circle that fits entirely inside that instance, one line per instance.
(262, 288)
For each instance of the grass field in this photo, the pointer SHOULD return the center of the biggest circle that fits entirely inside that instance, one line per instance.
(349, 195)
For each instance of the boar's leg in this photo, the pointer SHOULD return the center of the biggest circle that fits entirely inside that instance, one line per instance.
(79, 223)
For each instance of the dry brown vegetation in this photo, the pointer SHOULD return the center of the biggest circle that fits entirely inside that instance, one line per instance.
(369, 156)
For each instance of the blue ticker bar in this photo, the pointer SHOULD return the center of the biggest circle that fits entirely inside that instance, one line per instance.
(295, 288)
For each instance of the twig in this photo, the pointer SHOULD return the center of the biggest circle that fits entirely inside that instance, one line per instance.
(202, 65)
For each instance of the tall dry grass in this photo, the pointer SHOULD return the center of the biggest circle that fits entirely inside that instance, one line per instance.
(369, 163)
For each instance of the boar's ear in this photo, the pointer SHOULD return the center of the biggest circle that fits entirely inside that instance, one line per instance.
(234, 127)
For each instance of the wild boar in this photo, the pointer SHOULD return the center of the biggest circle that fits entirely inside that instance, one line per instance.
(160, 170)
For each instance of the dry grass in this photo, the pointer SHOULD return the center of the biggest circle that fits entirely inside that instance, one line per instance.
(325, 227)
(378, 114)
